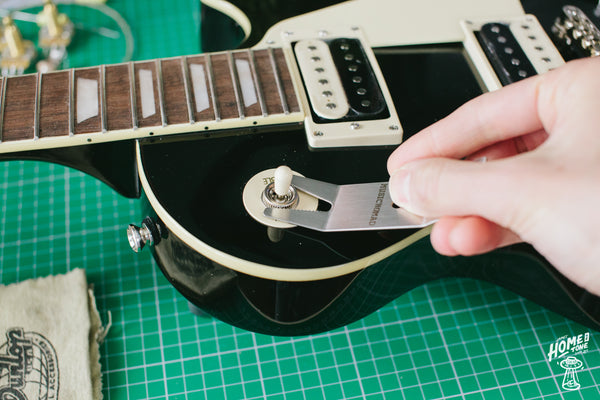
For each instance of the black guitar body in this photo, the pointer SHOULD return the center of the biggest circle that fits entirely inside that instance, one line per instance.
(298, 308)
(199, 180)
(301, 308)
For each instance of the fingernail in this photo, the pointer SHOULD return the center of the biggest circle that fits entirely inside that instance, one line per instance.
(399, 186)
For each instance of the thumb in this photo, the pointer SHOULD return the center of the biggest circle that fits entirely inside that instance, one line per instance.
(438, 187)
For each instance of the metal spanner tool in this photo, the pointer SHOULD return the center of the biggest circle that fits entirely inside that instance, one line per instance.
(356, 207)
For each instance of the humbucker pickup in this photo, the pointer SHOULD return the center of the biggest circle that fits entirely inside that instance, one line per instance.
(508, 50)
(339, 81)
(345, 92)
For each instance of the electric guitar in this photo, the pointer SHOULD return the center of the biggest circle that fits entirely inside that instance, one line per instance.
(330, 94)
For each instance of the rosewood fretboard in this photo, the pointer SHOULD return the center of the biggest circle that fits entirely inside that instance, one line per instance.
(165, 96)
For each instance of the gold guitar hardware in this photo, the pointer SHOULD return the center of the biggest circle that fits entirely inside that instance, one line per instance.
(17, 54)
(56, 33)
(56, 29)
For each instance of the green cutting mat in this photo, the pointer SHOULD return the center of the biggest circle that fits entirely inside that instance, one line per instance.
(454, 338)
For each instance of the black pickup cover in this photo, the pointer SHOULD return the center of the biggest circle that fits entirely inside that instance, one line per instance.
(352, 63)
(504, 53)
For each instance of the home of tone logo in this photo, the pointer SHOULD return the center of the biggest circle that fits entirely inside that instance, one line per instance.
(28, 367)
(563, 349)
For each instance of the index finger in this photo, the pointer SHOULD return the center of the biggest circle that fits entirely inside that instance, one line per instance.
(487, 119)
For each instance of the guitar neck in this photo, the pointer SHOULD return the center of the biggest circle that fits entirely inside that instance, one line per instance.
(147, 98)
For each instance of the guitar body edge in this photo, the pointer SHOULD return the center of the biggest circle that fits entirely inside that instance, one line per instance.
(284, 308)
(272, 299)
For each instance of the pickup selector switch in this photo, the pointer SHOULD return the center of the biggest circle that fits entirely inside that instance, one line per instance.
(272, 189)
(283, 180)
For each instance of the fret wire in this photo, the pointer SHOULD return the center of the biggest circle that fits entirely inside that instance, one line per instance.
(284, 104)
(71, 99)
(132, 95)
(2, 104)
(261, 98)
(236, 84)
(36, 116)
(161, 97)
(211, 84)
(186, 86)
(103, 98)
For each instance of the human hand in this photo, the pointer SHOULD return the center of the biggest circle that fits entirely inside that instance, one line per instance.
(541, 180)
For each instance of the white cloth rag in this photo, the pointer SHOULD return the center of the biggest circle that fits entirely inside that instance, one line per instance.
(49, 330)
